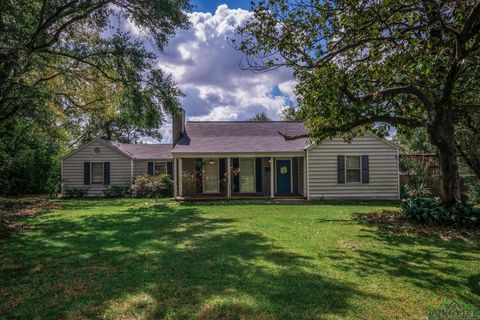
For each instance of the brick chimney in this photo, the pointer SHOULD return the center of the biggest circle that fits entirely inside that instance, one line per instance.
(178, 126)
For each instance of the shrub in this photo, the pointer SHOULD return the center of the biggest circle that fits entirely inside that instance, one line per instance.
(75, 192)
(153, 186)
(418, 190)
(429, 211)
(473, 190)
(116, 191)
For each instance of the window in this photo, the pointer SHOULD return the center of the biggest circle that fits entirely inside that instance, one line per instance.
(352, 168)
(247, 175)
(160, 168)
(97, 172)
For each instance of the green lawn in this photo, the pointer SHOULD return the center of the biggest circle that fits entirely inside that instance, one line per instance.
(156, 259)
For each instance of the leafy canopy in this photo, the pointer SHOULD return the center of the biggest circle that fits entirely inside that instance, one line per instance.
(76, 57)
(360, 63)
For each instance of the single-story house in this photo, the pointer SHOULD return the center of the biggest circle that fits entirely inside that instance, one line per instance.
(243, 159)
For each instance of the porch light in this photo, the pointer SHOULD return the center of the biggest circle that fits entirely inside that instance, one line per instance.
(211, 162)
(269, 160)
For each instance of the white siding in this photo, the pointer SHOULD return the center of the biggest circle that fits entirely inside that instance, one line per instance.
(73, 168)
(383, 167)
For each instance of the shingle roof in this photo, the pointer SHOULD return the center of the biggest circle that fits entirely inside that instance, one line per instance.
(241, 136)
(144, 151)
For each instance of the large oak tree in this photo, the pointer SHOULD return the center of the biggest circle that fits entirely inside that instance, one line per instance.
(81, 59)
(375, 64)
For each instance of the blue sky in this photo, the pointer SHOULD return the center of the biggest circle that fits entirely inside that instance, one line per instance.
(205, 67)
(211, 6)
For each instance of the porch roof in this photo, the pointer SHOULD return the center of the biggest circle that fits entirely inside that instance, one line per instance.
(241, 137)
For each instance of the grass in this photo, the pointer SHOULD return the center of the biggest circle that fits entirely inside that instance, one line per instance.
(155, 259)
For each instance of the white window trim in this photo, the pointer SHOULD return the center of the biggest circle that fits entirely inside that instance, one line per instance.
(345, 166)
(91, 173)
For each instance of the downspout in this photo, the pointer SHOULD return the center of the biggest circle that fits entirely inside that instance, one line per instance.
(307, 174)
(131, 173)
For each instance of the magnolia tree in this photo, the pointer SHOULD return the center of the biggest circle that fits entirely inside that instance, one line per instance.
(375, 64)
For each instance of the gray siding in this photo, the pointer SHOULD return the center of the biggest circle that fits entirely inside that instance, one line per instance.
(72, 173)
(140, 167)
(322, 169)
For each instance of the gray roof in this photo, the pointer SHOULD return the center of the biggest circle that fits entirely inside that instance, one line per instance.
(241, 137)
(144, 151)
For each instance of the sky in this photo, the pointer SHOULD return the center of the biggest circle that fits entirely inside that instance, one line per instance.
(206, 68)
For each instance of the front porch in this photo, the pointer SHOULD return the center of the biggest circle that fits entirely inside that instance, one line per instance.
(241, 177)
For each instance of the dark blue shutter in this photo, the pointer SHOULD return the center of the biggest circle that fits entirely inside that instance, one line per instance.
(222, 166)
(222, 174)
(199, 174)
(341, 169)
(86, 173)
(236, 178)
(150, 169)
(365, 170)
(170, 167)
(258, 174)
(106, 173)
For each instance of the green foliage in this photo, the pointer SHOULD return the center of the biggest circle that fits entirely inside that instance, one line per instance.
(414, 140)
(158, 259)
(69, 73)
(113, 191)
(75, 192)
(30, 152)
(429, 211)
(153, 186)
(417, 168)
(260, 117)
(371, 66)
(417, 190)
(473, 190)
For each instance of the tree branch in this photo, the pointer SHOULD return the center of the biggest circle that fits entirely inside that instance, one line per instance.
(379, 95)
(393, 120)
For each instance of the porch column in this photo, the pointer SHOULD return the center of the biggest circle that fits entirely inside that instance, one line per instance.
(229, 179)
(272, 179)
(180, 182)
(175, 181)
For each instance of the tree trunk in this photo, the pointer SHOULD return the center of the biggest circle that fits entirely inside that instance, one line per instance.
(442, 135)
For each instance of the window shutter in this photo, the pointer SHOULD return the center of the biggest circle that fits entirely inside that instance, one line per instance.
(236, 178)
(258, 174)
(365, 170)
(341, 169)
(150, 169)
(86, 173)
(170, 167)
(106, 173)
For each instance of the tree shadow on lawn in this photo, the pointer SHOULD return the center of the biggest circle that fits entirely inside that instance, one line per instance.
(449, 268)
(159, 261)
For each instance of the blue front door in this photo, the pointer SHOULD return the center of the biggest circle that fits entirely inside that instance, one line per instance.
(284, 181)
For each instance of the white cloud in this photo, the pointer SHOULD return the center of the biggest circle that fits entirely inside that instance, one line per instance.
(206, 68)
(217, 114)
